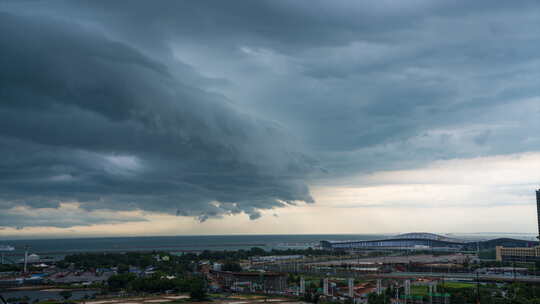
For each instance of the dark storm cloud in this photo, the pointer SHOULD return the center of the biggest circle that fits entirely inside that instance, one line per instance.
(205, 108)
(91, 120)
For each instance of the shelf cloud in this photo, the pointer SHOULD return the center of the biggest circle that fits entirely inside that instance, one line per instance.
(206, 109)
(92, 120)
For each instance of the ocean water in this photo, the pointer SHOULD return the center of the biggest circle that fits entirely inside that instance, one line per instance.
(60, 247)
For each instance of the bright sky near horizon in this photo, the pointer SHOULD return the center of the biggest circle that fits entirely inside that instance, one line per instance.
(274, 117)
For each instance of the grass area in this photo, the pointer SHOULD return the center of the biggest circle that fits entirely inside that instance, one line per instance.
(457, 285)
(419, 290)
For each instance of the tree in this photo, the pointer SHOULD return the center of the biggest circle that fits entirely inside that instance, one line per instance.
(373, 298)
(120, 281)
(66, 294)
(155, 283)
(257, 251)
(123, 268)
(197, 290)
(231, 266)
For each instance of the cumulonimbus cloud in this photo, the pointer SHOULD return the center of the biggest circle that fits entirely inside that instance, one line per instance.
(201, 109)
(92, 120)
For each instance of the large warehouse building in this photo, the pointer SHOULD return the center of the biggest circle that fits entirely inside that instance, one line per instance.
(418, 240)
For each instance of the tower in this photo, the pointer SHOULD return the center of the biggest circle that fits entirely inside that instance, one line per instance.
(407, 287)
(326, 289)
(538, 212)
(25, 257)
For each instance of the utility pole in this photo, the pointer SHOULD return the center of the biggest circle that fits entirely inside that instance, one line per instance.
(430, 292)
(477, 289)
(25, 258)
(407, 290)
(514, 269)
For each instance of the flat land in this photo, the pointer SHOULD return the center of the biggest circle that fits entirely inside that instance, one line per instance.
(458, 285)
(422, 290)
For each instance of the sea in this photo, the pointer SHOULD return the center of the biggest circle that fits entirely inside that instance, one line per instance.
(62, 247)
(58, 248)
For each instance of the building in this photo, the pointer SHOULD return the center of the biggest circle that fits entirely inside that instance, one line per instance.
(521, 254)
(517, 254)
(538, 212)
(408, 241)
(251, 281)
(274, 258)
(503, 270)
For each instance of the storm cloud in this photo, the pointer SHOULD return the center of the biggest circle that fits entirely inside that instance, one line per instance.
(95, 121)
(205, 108)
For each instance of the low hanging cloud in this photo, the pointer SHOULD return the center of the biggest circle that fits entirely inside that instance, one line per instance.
(64, 216)
(92, 120)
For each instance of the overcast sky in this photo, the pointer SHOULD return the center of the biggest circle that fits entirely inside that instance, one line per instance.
(211, 117)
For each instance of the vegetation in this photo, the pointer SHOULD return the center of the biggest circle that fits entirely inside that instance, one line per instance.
(66, 294)
(197, 290)
(488, 254)
(459, 293)
(174, 263)
(120, 281)
(9, 267)
(231, 266)
(458, 285)
(419, 290)
(383, 298)
(156, 283)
